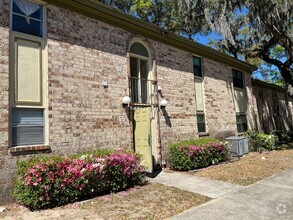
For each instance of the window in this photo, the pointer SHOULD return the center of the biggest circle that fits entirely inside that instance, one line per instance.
(27, 73)
(201, 125)
(139, 49)
(139, 71)
(241, 123)
(197, 67)
(239, 101)
(198, 82)
(27, 126)
(237, 78)
(27, 17)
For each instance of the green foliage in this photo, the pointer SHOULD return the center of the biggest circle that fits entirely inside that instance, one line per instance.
(260, 142)
(123, 5)
(259, 32)
(283, 136)
(54, 180)
(195, 142)
(98, 153)
(192, 154)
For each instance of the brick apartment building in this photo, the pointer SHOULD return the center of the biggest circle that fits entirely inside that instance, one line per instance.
(66, 67)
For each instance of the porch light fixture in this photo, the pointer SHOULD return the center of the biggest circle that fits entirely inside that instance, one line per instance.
(125, 102)
(163, 104)
(159, 89)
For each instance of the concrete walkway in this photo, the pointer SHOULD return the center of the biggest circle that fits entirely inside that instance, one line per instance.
(203, 186)
(271, 198)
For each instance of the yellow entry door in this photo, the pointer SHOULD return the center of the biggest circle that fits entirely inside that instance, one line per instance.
(142, 137)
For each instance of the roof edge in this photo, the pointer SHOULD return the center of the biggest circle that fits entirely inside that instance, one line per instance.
(117, 18)
(265, 84)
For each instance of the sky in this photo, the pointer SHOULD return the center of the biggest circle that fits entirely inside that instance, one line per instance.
(206, 39)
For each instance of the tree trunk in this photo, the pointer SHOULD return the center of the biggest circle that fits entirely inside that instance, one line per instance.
(285, 71)
(287, 76)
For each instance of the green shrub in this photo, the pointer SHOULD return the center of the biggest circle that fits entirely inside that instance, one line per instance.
(254, 142)
(196, 142)
(283, 136)
(53, 181)
(186, 155)
(260, 142)
(268, 141)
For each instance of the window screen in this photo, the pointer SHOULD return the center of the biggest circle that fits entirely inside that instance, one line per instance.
(27, 126)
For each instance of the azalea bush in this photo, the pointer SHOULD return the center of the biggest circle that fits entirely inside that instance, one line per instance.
(53, 181)
(190, 157)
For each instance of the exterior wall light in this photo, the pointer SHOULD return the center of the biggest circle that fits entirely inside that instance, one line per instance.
(163, 104)
(125, 102)
(159, 89)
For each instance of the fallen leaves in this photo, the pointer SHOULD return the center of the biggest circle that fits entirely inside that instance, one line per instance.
(251, 168)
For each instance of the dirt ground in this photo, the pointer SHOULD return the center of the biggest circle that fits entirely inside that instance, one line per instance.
(152, 201)
(251, 168)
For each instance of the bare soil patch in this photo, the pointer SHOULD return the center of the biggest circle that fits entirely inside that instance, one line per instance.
(251, 168)
(152, 201)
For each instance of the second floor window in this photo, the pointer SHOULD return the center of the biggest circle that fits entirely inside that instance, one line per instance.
(237, 79)
(27, 17)
(139, 74)
(197, 71)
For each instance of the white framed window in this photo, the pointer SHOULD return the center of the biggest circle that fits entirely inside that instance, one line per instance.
(139, 73)
(27, 17)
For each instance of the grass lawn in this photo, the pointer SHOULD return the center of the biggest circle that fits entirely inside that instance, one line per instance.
(152, 201)
(250, 168)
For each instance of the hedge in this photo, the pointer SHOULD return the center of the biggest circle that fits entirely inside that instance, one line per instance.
(193, 154)
(55, 180)
(260, 142)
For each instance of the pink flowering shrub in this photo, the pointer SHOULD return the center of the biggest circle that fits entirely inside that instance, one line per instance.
(190, 157)
(54, 181)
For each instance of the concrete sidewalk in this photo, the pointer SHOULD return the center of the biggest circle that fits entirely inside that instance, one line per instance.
(203, 186)
(271, 198)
